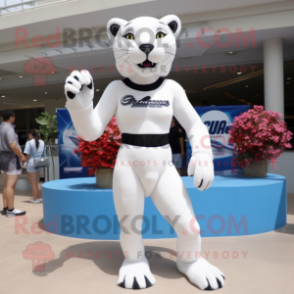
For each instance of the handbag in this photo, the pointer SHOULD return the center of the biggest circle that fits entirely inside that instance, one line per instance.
(42, 162)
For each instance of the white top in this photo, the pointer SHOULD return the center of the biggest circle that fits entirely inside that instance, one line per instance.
(30, 148)
(136, 116)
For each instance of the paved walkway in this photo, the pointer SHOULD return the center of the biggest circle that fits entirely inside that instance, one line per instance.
(261, 264)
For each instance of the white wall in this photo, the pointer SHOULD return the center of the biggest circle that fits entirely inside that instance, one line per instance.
(285, 167)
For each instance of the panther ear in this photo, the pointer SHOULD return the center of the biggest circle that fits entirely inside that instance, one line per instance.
(173, 22)
(113, 26)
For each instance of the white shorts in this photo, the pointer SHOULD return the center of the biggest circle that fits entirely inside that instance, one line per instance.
(13, 172)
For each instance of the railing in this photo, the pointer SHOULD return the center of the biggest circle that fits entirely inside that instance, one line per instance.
(21, 5)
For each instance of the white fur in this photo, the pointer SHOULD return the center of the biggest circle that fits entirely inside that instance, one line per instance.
(132, 182)
(128, 54)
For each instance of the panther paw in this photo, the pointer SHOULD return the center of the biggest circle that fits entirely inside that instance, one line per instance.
(135, 275)
(202, 274)
(79, 89)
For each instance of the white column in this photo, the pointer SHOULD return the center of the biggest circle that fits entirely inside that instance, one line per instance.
(273, 75)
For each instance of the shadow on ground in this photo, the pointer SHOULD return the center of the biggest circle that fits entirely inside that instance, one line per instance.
(108, 257)
(288, 229)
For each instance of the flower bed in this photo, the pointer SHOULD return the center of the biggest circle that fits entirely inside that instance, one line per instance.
(259, 135)
(102, 152)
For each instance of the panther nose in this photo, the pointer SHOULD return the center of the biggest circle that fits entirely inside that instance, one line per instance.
(146, 48)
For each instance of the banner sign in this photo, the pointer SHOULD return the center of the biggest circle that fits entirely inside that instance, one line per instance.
(69, 163)
(218, 120)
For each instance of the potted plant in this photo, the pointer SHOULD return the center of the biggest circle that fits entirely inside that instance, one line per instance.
(99, 156)
(48, 131)
(258, 136)
(48, 126)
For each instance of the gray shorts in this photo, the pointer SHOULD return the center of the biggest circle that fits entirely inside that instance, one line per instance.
(177, 160)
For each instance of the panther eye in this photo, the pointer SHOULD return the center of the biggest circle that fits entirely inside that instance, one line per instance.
(129, 36)
(160, 35)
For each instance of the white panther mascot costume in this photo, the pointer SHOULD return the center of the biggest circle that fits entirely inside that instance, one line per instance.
(144, 103)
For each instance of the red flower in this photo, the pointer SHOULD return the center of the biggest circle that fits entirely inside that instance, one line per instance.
(259, 135)
(101, 152)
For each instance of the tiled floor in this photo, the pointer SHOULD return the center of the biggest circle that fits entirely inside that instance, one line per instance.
(260, 264)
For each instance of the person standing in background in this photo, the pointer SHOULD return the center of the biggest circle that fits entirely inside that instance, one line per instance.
(176, 141)
(11, 158)
(34, 148)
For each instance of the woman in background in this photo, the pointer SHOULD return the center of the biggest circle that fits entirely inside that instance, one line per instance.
(34, 148)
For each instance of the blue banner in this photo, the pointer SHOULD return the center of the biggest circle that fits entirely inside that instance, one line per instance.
(69, 163)
(218, 120)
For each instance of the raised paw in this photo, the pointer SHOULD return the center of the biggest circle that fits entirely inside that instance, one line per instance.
(135, 275)
(202, 274)
(79, 89)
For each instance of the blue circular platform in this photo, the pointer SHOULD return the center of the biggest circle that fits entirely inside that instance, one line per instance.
(233, 206)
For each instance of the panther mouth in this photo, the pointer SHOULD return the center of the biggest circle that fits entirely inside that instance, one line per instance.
(147, 64)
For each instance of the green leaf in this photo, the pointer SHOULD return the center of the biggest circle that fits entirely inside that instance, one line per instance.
(41, 121)
(48, 126)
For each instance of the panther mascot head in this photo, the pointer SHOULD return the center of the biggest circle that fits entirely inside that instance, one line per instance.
(145, 46)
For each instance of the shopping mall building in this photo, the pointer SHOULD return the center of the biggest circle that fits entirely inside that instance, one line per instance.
(230, 52)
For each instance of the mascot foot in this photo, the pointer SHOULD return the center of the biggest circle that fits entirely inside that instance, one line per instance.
(135, 275)
(202, 274)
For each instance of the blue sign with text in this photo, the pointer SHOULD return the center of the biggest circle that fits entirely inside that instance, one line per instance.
(218, 120)
(69, 163)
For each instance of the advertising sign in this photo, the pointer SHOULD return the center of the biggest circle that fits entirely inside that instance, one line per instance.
(218, 120)
(69, 163)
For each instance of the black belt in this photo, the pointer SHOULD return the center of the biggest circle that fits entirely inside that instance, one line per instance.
(145, 140)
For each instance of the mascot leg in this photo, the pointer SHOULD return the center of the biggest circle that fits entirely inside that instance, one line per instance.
(129, 204)
(172, 200)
